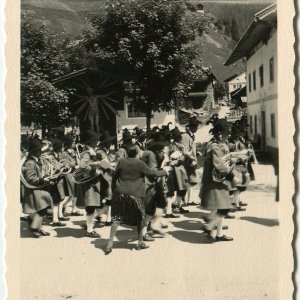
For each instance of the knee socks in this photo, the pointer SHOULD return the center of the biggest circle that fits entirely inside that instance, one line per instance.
(89, 222)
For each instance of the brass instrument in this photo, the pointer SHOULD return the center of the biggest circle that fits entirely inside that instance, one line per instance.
(46, 172)
(59, 167)
(83, 173)
(231, 159)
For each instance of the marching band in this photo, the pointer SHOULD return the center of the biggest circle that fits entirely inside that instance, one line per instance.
(149, 177)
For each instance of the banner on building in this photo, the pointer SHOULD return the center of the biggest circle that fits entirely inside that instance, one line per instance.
(236, 114)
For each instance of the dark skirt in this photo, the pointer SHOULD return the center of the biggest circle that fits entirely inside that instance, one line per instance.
(176, 181)
(128, 209)
(155, 198)
(69, 185)
(36, 200)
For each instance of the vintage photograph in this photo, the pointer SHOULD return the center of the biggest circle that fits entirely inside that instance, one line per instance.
(149, 150)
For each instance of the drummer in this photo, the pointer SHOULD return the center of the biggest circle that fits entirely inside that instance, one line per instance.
(105, 152)
(96, 189)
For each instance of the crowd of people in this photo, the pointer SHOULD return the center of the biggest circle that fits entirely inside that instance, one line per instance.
(145, 180)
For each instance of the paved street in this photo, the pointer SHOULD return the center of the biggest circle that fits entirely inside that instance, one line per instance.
(68, 265)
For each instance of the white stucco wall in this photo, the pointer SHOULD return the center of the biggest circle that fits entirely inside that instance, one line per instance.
(160, 118)
(264, 98)
(236, 82)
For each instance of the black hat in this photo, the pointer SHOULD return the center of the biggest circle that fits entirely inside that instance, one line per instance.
(89, 136)
(153, 144)
(175, 132)
(139, 132)
(126, 135)
(194, 121)
(34, 145)
(106, 137)
(57, 144)
(221, 126)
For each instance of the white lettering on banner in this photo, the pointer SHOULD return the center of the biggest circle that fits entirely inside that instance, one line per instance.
(236, 114)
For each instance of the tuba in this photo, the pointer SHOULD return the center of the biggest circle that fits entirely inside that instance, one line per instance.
(46, 172)
(59, 167)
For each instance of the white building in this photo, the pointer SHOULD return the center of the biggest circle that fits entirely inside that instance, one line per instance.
(259, 46)
(131, 116)
(235, 82)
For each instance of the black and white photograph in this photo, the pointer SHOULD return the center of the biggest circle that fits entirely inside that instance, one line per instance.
(150, 164)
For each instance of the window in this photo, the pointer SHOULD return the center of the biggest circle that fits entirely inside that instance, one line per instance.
(271, 63)
(255, 125)
(254, 81)
(234, 86)
(273, 131)
(249, 82)
(251, 125)
(261, 75)
(133, 110)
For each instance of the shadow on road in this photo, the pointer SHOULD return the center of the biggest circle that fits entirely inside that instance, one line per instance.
(82, 224)
(127, 235)
(70, 232)
(190, 237)
(101, 244)
(24, 230)
(196, 215)
(188, 225)
(262, 221)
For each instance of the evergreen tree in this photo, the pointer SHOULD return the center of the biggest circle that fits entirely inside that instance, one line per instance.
(235, 35)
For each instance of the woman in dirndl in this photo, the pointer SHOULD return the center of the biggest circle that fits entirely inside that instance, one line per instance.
(36, 199)
(215, 193)
(129, 192)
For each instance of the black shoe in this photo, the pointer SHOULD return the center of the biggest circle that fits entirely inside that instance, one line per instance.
(35, 233)
(171, 216)
(58, 224)
(230, 216)
(142, 246)
(108, 250)
(44, 233)
(98, 219)
(148, 238)
(76, 214)
(224, 238)
(239, 208)
(93, 234)
(164, 226)
(192, 204)
(183, 211)
(64, 218)
(108, 223)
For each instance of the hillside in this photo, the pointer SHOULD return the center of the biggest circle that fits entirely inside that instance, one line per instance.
(70, 16)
